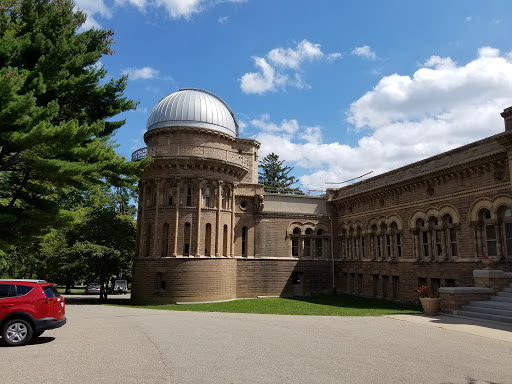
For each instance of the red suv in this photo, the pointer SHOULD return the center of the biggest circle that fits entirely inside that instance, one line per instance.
(28, 308)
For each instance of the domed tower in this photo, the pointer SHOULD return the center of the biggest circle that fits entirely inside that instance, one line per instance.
(188, 196)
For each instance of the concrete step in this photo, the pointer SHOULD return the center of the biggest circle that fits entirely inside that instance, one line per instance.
(507, 290)
(492, 304)
(504, 294)
(502, 299)
(485, 316)
(491, 311)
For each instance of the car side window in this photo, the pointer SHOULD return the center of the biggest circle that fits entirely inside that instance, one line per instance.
(22, 290)
(6, 290)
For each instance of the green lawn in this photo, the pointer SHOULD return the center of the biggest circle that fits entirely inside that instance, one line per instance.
(74, 291)
(343, 305)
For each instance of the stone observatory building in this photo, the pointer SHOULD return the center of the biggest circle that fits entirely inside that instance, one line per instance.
(207, 231)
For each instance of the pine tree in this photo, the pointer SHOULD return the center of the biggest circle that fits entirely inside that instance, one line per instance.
(275, 176)
(55, 118)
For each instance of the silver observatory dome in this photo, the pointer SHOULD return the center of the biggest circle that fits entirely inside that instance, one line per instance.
(193, 107)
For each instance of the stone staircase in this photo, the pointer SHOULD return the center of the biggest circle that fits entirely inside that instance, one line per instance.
(498, 308)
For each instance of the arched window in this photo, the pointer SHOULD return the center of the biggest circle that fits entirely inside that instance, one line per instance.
(357, 244)
(451, 236)
(165, 240)
(244, 241)
(189, 196)
(186, 239)
(347, 243)
(207, 200)
(170, 198)
(361, 243)
(491, 248)
(379, 245)
(374, 238)
(319, 252)
(506, 217)
(207, 239)
(425, 248)
(397, 240)
(307, 242)
(295, 242)
(225, 241)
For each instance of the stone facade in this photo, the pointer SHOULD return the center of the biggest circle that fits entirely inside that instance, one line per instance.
(207, 231)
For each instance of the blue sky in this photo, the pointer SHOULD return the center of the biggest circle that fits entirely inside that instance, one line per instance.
(336, 88)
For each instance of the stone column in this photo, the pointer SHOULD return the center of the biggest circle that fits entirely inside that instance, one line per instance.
(232, 204)
(155, 232)
(199, 206)
(177, 218)
(217, 221)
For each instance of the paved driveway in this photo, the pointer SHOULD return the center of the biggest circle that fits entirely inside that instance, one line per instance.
(102, 344)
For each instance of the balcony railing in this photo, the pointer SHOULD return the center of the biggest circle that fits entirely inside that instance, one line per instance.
(190, 151)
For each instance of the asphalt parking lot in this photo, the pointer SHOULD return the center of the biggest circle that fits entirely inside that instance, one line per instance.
(106, 344)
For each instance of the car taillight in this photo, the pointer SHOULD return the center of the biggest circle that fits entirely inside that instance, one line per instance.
(52, 300)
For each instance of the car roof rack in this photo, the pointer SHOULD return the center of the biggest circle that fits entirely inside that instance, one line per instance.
(25, 280)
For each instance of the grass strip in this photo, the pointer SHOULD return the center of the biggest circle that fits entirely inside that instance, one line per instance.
(342, 305)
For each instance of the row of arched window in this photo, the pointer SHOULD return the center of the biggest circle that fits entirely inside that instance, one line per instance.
(186, 241)
(167, 196)
(435, 239)
(310, 244)
(380, 242)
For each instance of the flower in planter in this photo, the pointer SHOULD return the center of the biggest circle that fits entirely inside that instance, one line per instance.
(424, 291)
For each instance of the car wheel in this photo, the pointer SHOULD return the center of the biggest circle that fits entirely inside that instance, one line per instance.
(17, 332)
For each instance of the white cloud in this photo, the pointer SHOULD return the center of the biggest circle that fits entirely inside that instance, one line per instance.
(141, 73)
(264, 81)
(468, 19)
(281, 67)
(365, 51)
(181, 8)
(141, 4)
(223, 19)
(440, 107)
(292, 58)
(92, 8)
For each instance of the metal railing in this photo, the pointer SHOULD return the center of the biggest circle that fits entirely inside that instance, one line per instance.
(190, 151)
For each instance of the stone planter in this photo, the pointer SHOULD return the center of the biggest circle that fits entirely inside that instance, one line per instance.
(430, 305)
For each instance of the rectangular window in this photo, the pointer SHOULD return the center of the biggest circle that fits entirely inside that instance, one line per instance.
(425, 244)
(345, 281)
(347, 248)
(355, 247)
(508, 239)
(398, 245)
(396, 287)
(453, 242)
(385, 283)
(490, 234)
(439, 248)
(160, 282)
(378, 247)
(388, 245)
(362, 247)
(189, 197)
(376, 285)
(435, 284)
(360, 283)
(295, 247)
